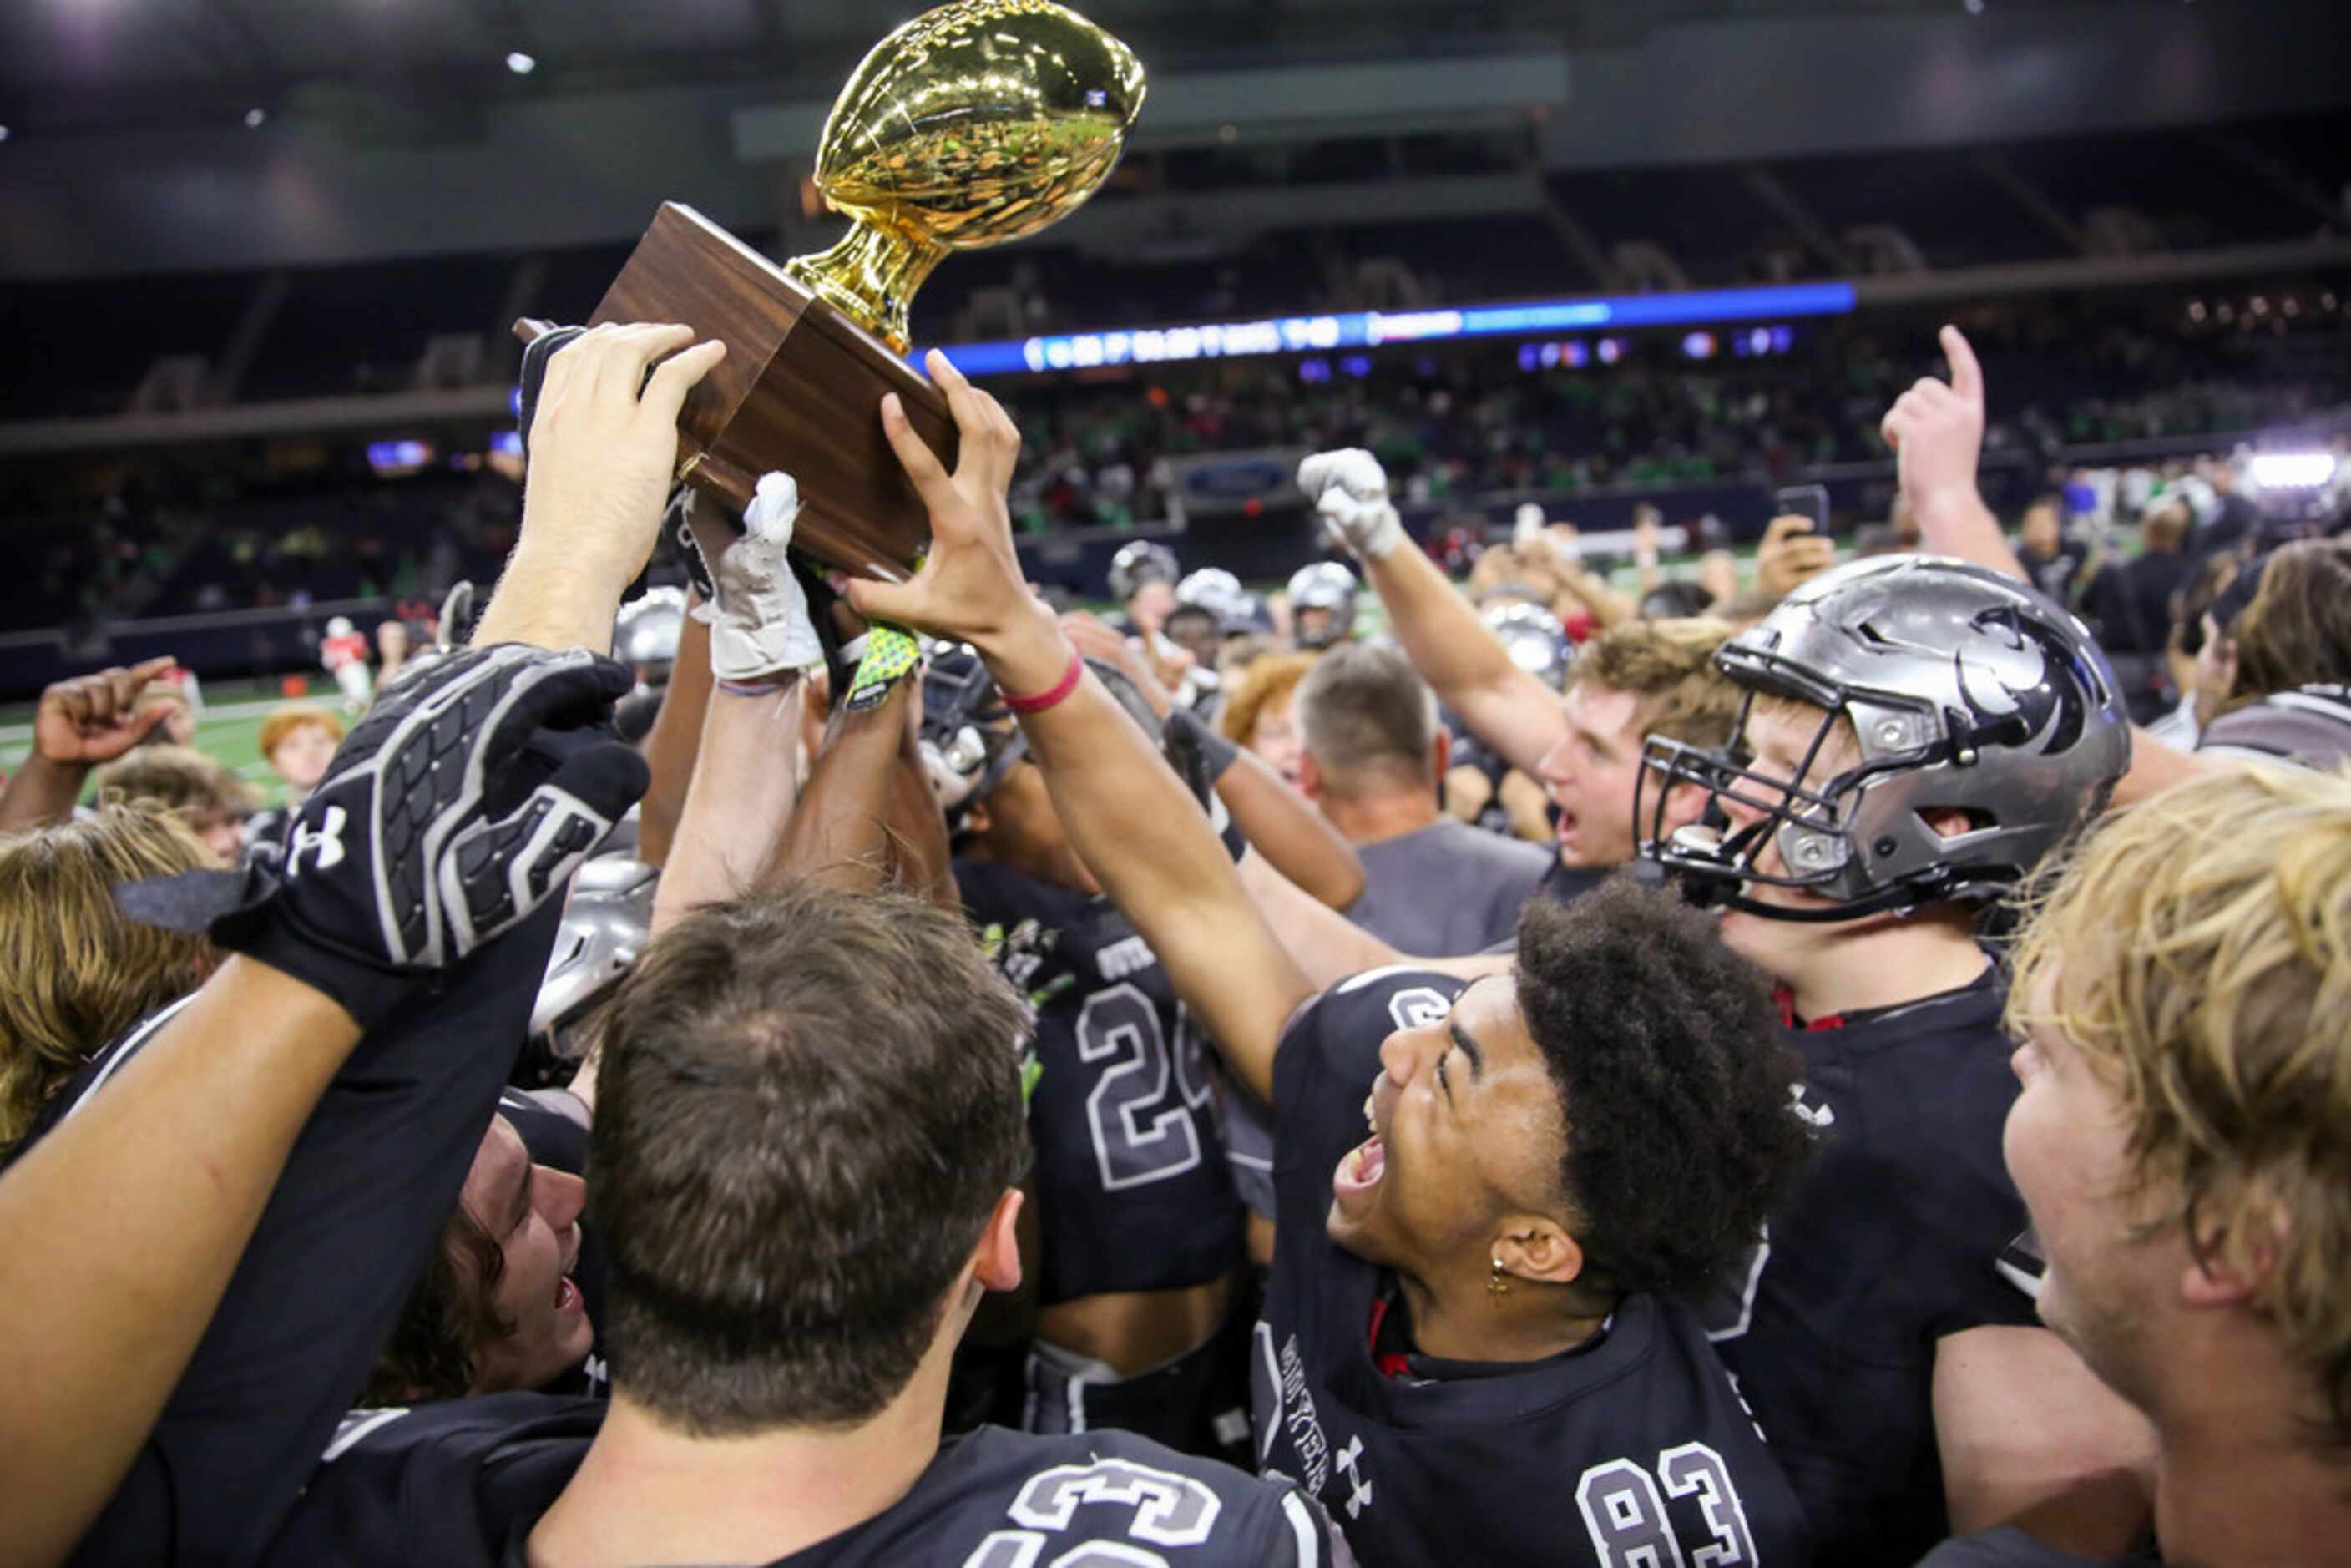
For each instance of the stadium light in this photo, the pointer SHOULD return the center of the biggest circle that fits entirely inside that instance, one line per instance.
(2291, 470)
(3, 133)
(255, 118)
(522, 65)
(1372, 329)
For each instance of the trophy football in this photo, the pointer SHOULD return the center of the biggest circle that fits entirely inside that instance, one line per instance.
(977, 123)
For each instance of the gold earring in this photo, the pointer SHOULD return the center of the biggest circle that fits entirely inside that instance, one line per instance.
(1499, 1285)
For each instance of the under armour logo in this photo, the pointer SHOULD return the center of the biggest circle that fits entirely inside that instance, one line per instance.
(327, 840)
(1820, 1118)
(1350, 1460)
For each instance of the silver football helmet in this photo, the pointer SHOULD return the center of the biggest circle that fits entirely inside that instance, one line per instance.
(607, 922)
(646, 634)
(1138, 562)
(1213, 588)
(1967, 691)
(1324, 585)
(1534, 638)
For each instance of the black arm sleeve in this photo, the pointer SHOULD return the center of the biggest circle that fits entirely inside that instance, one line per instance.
(367, 1189)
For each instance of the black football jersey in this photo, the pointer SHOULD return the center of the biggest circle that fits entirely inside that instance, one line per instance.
(2009, 1547)
(461, 1485)
(1632, 1449)
(1132, 1191)
(1896, 1237)
(365, 1193)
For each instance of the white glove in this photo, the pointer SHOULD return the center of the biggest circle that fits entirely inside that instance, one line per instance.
(1351, 490)
(759, 624)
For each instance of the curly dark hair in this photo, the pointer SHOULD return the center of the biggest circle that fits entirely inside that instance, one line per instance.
(1681, 1133)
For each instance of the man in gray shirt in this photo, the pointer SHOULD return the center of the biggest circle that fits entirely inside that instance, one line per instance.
(1375, 757)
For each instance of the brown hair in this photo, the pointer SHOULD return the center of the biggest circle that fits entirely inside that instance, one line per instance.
(79, 970)
(1267, 681)
(434, 1349)
(1367, 717)
(809, 1110)
(175, 778)
(2197, 952)
(2298, 630)
(283, 722)
(1669, 666)
(2164, 529)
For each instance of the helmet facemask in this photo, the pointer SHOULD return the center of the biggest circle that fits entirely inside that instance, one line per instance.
(1970, 726)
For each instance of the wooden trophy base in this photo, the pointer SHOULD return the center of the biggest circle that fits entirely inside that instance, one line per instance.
(800, 392)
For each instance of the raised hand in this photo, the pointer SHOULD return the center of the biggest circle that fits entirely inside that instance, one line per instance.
(969, 587)
(1936, 429)
(603, 443)
(758, 611)
(1350, 490)
(92, 720)
(1790, 554)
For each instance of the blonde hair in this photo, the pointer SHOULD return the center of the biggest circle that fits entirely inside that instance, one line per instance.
(79, 970)
(2197, 951)
(283, 722)
(1669, 666)
(1267, 681)
(176, 778)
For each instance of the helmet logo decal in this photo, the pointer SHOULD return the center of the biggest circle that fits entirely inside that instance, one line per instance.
(2012, 691)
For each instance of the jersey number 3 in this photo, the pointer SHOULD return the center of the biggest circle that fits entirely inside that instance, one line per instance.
(1145, 1109)
(1170, 1509)
(1626, 1517)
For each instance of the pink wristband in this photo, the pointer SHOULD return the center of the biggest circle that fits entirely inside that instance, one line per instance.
(1061, 689)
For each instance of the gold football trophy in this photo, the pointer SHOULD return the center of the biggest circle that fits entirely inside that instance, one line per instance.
(977, 123)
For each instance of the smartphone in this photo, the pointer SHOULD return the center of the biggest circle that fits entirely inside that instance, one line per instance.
(1803, 501)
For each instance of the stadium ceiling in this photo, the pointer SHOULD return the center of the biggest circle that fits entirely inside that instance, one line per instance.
(72, 66)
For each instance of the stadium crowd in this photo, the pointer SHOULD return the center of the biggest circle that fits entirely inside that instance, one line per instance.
(1843, 1063)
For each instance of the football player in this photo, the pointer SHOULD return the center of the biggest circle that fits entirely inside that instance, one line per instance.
(1321, 604)
(1143, 577)
(1140, 1228)
(814, 1198)
(1472, 1308)
(2178, 1139)
(1917, 734)
(1584, 749)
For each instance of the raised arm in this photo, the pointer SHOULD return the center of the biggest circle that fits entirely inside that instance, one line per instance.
(1456, 652)
(204, 1320)
(115, 1259)
(1127, 814)
(917, 827)
(80, 723)
(840, 837)
(675, 739)
(746, 783)
(1284, 827)
(1936, 432)
(440, 839)
(1281, 822)
(591, 503)
(759, 643)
